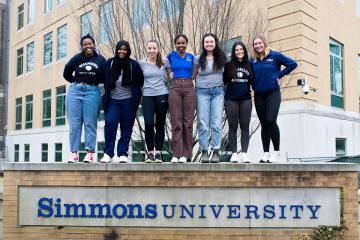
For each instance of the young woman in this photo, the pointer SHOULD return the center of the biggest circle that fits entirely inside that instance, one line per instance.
(83, 99)
(123, 79)
(155, 101)
(267, 74)
(210, 96)
(181, 100)
(238, 76)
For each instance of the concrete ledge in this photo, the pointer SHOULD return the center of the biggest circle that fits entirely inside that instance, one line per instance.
(190, 167)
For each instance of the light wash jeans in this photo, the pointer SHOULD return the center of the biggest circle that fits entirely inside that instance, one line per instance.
(209, 108)
(83, 103)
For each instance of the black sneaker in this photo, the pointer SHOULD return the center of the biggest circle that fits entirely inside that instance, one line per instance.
(150, 158)
(215, 156)
(158, 158)
(204, 158)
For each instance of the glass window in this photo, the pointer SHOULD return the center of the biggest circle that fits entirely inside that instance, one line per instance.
(48, 48)
(58, 152)
(16, 152)
(141, 13)
(85, 24)
(20, 62)
(59, 2)
(106, 22)
(20, 17)
(18, 113)
(100, 150)
(44, 152)
(358, 8)
(336, 74)
(60, 105)
(47, 108)
(340, 146)
(48, 6)
(30, 57)
(26, 152)
(226, 45)
(29, 111)
(31, 11)
(62, 42)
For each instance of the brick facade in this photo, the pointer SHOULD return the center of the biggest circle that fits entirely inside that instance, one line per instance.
(184, 178)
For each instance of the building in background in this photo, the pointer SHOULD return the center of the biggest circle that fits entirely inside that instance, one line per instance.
(3, 77)
(321, 35)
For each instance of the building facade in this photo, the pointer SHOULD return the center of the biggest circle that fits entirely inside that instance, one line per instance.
(320, 35)
(3, 23)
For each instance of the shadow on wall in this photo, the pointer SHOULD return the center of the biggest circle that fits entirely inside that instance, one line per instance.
(112, 236)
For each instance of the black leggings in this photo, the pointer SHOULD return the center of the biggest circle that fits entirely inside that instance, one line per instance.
(155, 105)
(238, 112)
(267, 107)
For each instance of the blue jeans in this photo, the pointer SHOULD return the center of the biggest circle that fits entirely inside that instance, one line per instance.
(118, 111)
(209, 108)
(83, 103)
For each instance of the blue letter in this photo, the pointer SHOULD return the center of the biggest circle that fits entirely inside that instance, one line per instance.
(46, 205)
(150, 211)
(172, 208)
(124, 211)
(297, 207)
(58, 208)
(132, 208)
(269, 209)
(248, 211)
(313, 211)
(202, 211)
(232, 211)
(185, 209)
(282, 216)
(100, 208)
(216, 214)
(75, 208)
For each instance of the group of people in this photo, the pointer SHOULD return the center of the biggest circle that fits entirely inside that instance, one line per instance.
(218, 83)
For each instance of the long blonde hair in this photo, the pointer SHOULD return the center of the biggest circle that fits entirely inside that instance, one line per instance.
(255, 54)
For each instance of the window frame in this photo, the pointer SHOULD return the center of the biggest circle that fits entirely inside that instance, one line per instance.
(21, 17)
(61, 43)
(48, 42)
(19, 62)
(44, 152)
(28, 62)
(46, 100)
(335, 96)
(18, 113)
(30, 12)
(60, 99)
(28, 111)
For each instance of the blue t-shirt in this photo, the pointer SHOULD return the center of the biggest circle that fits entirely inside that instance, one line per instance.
(181, 66)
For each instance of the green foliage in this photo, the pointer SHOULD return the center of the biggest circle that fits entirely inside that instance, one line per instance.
(328, 232)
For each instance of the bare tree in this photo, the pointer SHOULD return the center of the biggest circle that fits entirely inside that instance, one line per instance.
(141, 20)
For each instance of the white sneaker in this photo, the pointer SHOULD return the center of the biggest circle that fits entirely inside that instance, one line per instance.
(265, 158)
(106, 159)
(234, 158)
(245, 158)
(174, 160)
(275, 157)
(74, 158)
(124, 159)
(182, 160)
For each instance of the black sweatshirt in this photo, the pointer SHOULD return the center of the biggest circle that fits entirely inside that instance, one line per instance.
(238, 78)
(87, 69)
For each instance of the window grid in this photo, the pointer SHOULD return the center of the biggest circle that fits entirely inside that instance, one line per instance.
(340, 146)
(29, 111)
(62, 42)
(18, 114)
(19, 61)
(31, 12)
(48, 6)
(60, 105)
(336, 74)
(16, 152)
(58, 152)
(30, 57)
(46, 108)
(85, 24)
(44, 152)
(20, 17)
(105, 23)
(26, 152)
(47, 48)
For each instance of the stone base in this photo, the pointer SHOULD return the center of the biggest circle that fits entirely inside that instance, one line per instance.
(166, 175)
